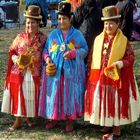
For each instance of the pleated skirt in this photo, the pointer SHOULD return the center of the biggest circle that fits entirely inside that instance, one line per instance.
(98, 117)
(28, 88)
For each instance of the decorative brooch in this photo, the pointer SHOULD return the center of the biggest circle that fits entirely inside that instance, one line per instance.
(63, 47)
(106, 45)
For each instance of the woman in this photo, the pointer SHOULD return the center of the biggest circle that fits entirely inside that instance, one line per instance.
(24, 68)
(62, 92)
(111, 97)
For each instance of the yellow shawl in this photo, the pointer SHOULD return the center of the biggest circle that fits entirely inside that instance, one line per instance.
(117, 50)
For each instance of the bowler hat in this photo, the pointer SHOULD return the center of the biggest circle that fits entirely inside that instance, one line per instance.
(64, 8)
(110, 12)
(33, 11)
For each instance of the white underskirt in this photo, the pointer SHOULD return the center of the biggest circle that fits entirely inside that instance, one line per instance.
(29, 96)
(99, 119)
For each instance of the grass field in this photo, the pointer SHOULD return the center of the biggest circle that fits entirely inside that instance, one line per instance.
(83, 130)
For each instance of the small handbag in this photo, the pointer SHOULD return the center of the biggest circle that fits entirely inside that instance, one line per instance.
(6, 102)
(25, 61)
(112, 72)
(51, 69)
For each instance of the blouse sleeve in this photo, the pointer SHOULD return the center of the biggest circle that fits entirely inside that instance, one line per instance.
(45, 51)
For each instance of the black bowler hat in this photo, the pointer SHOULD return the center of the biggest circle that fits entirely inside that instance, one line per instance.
(64, 8)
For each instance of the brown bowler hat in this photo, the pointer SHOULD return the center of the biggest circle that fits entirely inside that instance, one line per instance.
(110, 12)
(33, 11)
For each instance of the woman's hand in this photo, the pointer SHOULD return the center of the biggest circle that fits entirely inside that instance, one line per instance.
(48, 60)
(15, 59)
(71, 54)
(66, 55)
(119, 64)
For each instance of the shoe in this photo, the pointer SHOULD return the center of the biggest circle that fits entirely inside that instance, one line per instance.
(51, 125)
(31, 124)
(10, 129)
(69, 128)
(13, 128)
(107, 136)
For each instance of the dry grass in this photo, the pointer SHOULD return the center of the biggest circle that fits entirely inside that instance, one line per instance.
(83, 130)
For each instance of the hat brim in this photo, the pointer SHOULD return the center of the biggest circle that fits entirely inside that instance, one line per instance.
(108, 18)
(63, 13)
(34, 17)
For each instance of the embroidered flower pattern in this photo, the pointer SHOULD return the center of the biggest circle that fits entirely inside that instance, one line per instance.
(54, 47)
(70, 46)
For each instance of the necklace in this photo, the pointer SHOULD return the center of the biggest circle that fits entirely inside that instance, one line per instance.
(31, 41)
